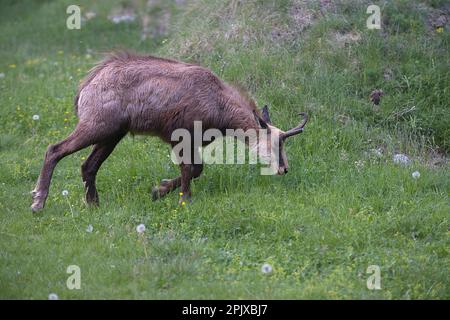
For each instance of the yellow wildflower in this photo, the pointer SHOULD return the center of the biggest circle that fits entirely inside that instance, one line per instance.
(440, 29)
(12, 65)
(32, 62)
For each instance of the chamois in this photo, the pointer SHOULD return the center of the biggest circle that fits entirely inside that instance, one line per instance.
(149, 95)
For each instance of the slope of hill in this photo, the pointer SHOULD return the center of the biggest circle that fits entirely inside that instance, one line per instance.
(345, 204)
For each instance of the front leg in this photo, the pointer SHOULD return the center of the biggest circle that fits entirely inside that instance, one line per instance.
(188, 172)
(186, 176)
(168, 185)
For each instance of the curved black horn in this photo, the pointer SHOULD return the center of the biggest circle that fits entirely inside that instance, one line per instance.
(298, 128)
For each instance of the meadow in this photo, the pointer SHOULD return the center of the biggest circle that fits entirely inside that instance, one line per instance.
(345, 204)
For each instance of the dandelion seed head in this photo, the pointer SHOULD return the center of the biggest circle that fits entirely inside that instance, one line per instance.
(53, 296)
(89, 228)
(416, 174)
(266, 268)
(65, 193)
(36, 117)
(140, 228)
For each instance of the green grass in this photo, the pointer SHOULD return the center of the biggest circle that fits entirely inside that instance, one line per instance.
(320, 226)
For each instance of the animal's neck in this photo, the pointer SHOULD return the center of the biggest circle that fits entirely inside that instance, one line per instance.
(240, 119)
(239, 110)
(245, 125)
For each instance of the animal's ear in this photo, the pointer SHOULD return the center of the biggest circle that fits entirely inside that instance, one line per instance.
(265, 114)
(261, 121)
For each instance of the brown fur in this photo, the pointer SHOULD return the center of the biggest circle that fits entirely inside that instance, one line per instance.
(145, 95)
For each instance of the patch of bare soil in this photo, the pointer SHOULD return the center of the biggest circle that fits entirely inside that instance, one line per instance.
(301, 18)
(121, 15)
(302, 15)
(436, 159)
(326, 6)
(156, 24)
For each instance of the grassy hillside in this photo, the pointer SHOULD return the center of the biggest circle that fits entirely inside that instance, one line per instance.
(343, 206)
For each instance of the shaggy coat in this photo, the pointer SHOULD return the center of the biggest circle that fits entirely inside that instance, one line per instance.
(148, 95)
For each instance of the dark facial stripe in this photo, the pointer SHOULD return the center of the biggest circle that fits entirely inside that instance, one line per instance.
(280, 155)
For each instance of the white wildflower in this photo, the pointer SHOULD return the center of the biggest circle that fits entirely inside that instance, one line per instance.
(90, 14)
(53, 296)
(89, 228)
(266, 268)
(65, 193)
(343, 156)
(359, 164)
(416, 174)
(140, 228)
(377, 152)
(125, 17)
(36, 117)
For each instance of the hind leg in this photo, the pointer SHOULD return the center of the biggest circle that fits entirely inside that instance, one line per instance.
(90, 167)
(84, 135)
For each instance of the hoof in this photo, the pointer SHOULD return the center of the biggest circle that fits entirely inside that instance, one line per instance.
(93, 202)
(38, 201)
(165, 182)
(35, 207)
(155, 193)
(184, 201)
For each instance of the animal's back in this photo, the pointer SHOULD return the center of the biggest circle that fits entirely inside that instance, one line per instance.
(142, 92)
